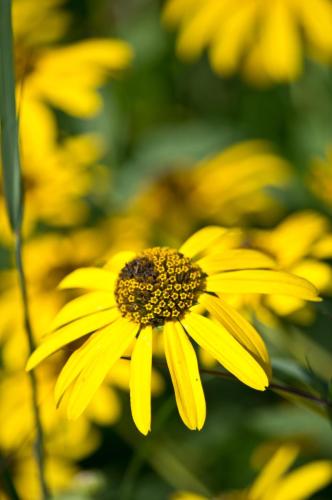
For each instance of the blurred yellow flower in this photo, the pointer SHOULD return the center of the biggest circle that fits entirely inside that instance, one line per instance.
(66, 77)
(56, 183)
(51, 75)
(275, 482)
(229, 188)
(265, 40)
(157, 289)
(297, 245)
(236, 183)
(64, 443)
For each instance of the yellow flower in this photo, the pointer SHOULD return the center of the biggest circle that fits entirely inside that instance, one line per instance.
(158, 289)
(65, 442)
(299, 252)
(230, 187)
(267, 40)
(66, 77)
(236, 183)
(276, 483)
(56, 183)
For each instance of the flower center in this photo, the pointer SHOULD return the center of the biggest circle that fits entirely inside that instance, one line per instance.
(160, 285)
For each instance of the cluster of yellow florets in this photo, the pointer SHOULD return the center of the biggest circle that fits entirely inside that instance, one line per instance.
(160, 284)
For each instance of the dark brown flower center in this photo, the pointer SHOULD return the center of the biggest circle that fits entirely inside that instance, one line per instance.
(160, 285)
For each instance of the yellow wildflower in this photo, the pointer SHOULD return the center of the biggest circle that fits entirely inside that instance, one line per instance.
(297, 245)
(157, 289)
(274, 482)
(56, 183)
(231, 187)
(266, 40)
(66, 77)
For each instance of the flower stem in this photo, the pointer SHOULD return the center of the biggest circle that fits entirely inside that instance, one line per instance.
(39, 448)
(277, 387)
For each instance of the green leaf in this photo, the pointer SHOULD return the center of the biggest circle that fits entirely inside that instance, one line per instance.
(9, 129)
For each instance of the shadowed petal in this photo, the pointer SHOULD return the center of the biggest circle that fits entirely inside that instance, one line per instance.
(226, 349)
(183, 367)
(140, 381)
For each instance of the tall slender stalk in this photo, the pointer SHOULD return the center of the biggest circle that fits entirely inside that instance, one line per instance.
(12, 183)
(39, 441)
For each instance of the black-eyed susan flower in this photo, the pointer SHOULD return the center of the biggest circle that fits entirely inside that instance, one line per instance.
(56, 183)
(301, 255)
(54, 75)
(158, 289)
(276, 482)
(266, 40)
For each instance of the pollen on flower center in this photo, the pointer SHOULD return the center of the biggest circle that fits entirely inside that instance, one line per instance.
(159, 285)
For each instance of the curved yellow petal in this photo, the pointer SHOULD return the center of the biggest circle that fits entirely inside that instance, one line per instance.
(113, 345)
(235, 259)
(83, 306)
(182, 363)
(94, 278)
(80, 358)
(280, 41)
(119, 260)
(69, 333)
(303, 482)
(239, 327)
(233, 37)
(140, 381)
(261, 281)
(271, 473)
(226, 350)
(201, 240)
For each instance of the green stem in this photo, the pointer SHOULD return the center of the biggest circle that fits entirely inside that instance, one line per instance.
(12, 184)
(38, 447)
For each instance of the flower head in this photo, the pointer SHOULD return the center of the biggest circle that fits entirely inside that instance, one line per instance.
(276, 482)
(159, 288)
(266, 40)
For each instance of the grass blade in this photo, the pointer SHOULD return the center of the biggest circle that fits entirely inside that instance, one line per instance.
(11, 172)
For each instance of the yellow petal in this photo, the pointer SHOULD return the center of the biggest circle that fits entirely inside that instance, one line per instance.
(235, 259)
(281, 242)
(226, 350)
(69, 333)
(105, 406)
(280, 42)
(90, 277)
(317, 27)
(323, 248)
(303, 482)
(252, 281)
(278, 464)
(318, 273)
(119, 260)
(239, 327)
(83, 306)
(201, 240)
(183, 367)
(113, 345)
(80, 358)
(140, 381)
(233, 37)
(197, 32)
